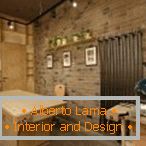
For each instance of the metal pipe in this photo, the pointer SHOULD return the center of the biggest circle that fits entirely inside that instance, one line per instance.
(136, 56)
(109, 67)
(140, 55)
(128, 65)
(118, 65)
(124, 65)
(132, 63)
(112, 66)
(100, 46)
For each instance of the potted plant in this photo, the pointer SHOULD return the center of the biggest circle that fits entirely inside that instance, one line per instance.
(58, 41)
(87, 34)
(64, 41)
(76, 37)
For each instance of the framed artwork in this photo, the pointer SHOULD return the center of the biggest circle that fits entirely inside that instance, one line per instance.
(90, 56)
(67, 59)
(49, 61)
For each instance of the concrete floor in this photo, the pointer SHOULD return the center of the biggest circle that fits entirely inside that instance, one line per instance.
(81, 143)
(77, 143)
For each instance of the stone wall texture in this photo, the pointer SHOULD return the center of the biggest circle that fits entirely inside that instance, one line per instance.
(103, 18)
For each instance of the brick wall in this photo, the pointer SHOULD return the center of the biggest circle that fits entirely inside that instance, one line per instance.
(103, 18)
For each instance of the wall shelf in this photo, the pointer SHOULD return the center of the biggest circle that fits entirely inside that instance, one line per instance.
(29, 59)
(30, 67)
(30, 75)
(74, 43)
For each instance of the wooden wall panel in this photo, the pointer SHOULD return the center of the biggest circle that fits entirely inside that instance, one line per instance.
(14, 37)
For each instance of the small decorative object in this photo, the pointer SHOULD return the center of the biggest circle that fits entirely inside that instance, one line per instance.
(87, 34)
(76, 37)
(58, 41)
(90, 56)
(64, 41)
(51, 45)
(11, 25)
(50, 61)
(67, 59)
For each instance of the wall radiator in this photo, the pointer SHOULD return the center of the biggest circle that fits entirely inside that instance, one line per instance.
(121, 65)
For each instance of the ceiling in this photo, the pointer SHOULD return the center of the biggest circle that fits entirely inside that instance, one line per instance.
(26, 10)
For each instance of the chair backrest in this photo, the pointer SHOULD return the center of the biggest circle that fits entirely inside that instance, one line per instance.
(59, 90)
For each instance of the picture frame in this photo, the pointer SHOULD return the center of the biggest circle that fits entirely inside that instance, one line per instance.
(67, 59)
(91, 56)
(49, 61)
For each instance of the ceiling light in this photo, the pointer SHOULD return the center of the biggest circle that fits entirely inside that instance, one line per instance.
(74, 4)
(11, 25)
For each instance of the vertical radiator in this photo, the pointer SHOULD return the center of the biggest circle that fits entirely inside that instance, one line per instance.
(121, 65)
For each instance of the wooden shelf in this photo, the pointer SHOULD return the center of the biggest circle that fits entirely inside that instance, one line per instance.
(30, 67)
(30, 60)
(74, 43)
(29, 53)
(30, 75)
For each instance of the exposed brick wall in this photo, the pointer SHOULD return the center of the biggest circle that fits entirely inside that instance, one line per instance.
(103, 18)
